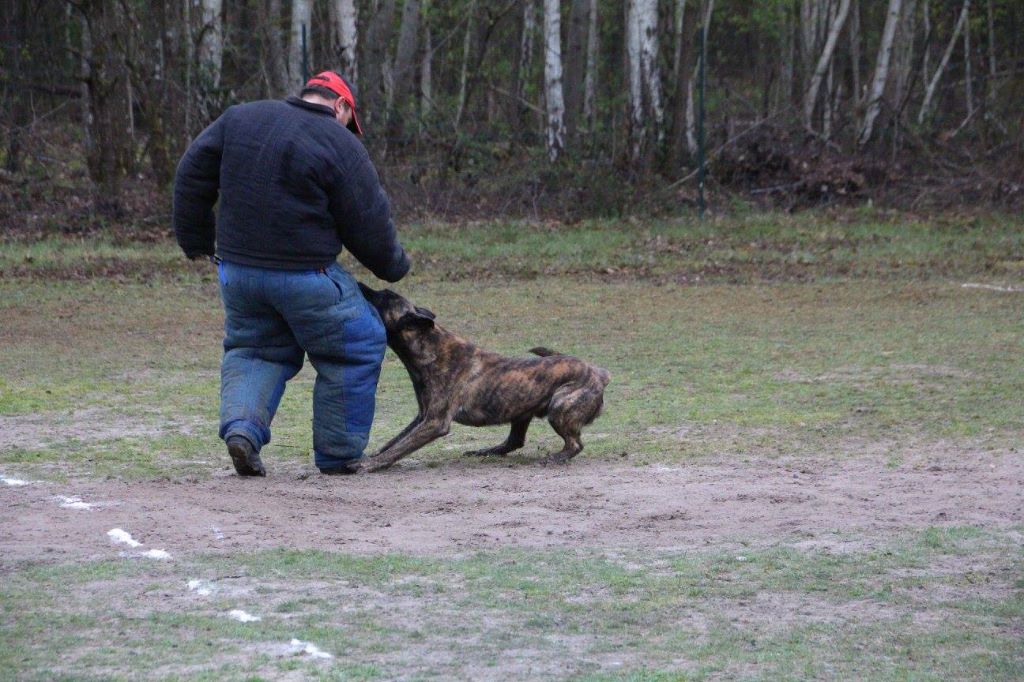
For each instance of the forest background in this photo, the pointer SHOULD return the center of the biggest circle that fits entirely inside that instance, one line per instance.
(529, 109)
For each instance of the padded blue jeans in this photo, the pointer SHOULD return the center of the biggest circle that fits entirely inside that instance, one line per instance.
(272, 318)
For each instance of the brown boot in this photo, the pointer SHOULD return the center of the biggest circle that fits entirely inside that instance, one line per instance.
(244, 456)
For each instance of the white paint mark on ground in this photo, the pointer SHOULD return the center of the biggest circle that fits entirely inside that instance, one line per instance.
(14, 482)
(122, 537)
(300, 647)
(992, 287)
(74, 503)
(243, 617)
(200, 587)
(160, 554)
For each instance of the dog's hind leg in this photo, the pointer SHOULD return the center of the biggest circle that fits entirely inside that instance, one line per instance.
(515, 440)
(571, 408)
(571, 435)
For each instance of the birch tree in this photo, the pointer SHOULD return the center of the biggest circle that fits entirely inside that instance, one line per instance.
(554, 102)
(649, 62)
(824, 62)
(874, 98)
(344, 18)
(643, 72)
(302, 15)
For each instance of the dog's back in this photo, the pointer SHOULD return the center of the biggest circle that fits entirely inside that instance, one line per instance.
(603, 376)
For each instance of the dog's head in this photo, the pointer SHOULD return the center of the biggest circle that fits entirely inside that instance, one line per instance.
(399, 315)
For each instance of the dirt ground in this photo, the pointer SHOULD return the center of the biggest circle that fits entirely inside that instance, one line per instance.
(464, 505)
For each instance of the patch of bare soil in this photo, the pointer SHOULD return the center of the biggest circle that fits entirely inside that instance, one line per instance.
(465, 505)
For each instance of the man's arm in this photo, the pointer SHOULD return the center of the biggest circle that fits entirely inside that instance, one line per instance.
(196, 184)
(362, 216)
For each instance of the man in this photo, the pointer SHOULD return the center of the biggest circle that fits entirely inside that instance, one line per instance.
(295, 186)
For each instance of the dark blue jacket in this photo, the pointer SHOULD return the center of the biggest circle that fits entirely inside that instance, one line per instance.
(295, 187)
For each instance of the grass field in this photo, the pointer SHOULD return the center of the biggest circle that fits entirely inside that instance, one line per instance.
(848, 342)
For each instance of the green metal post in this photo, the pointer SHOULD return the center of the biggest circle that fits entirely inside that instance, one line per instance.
(700, 123)
(305, 56)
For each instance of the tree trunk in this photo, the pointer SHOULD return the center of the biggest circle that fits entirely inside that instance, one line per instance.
(277, 62)
(211, 42)
(681, 83)
(644, 75)
(824, 62)
(575, 63)
(374, 68)
(346, 38)
(649, 62)
(467, 45)
(789, 58)
(678, 24)
(14, 37)
(426, 74)
(933, 83)
(524, 60)
(105, 76)
(968, 82)
(553, 79)
(926, 18)
(855, 51)
(637, 129)
(302, 21)
(590, 79)
(902, 70)
(991, 55)
(402, 75)
(874, 99)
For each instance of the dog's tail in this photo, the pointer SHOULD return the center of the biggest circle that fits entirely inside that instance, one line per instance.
(544, 352)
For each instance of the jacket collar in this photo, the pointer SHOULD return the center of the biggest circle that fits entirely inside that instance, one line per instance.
(309, 106)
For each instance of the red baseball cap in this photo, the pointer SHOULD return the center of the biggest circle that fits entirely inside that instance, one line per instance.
(337, 85)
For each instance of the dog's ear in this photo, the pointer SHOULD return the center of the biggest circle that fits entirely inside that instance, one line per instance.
(415, 320)
(426, 313)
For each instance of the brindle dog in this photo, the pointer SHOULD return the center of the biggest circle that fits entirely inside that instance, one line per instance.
(456, 381)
